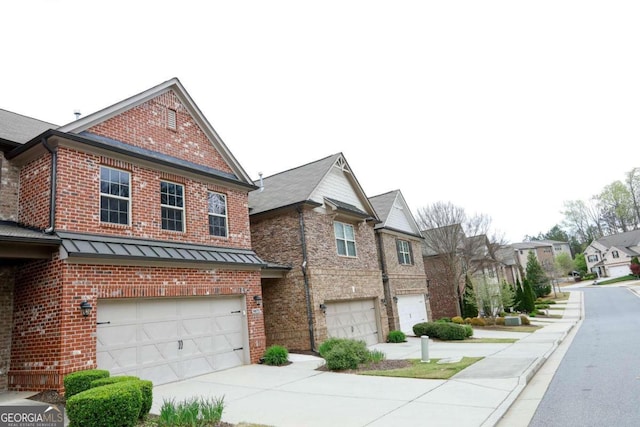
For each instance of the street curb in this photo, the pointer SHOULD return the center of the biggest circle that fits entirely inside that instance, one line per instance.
(528, 374)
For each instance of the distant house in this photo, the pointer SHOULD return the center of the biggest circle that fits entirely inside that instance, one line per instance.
(125, 246)
(400, 249)
(558, 247)
(611, 256)
(314, 225)
(543, 251)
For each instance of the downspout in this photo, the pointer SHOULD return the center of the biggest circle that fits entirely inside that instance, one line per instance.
(307, 292)
(385, 276)
(52, 193)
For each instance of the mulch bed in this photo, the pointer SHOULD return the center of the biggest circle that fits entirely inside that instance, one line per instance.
(383, 365)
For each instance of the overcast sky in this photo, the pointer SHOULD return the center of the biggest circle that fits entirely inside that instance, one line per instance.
(506, 108)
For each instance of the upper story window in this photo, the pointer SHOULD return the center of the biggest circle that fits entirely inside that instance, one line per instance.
(172, 206)
(592, 258)
(345, 239)
(404, 252)
(217, 214)
(615, 254)
(115, 196)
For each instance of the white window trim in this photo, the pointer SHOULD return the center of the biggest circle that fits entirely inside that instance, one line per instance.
(344, 238)
(101, 194)
(404, 244)
(183, 208)
(226, 216)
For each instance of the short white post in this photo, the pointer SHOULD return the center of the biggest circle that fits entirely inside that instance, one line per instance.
(424, 341)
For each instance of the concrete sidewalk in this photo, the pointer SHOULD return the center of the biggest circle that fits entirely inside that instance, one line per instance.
(299, 395)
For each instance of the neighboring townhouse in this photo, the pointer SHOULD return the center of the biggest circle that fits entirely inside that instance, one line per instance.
(610, 256)
(510, 270)
(125, 245)
(315, 226)
(558, 247)
(543, 251)
(400, 253)
(444, 268)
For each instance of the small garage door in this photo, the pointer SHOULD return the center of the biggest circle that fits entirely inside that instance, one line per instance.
(618, 271)
(411, 310)
(356, 319)
(169, 339)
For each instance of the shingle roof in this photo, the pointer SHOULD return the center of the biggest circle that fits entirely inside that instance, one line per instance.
(621, 240)
(347, 207)
(382, 203)
(291, 186)
(18, 128)
(95, 246)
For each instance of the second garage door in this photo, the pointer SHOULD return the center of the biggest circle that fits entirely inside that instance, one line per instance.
(411, 310)
(169, 339)
(355, 319)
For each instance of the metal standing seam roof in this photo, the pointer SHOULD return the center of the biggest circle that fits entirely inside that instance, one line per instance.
(95, 246)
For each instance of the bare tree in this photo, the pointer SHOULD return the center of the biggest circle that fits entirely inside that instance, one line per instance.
(633, 181)
(446, 228)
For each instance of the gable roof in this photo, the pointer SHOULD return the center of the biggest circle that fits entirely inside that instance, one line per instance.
(297, 185)
(621, 241)
(383, 205)
(442, 236)
(20, 129)
(78, 127)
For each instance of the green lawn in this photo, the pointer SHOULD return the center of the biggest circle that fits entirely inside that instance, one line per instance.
(487, 340)
(617, 280)
(429, 371)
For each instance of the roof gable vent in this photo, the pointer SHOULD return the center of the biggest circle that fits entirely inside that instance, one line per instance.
(171, 119)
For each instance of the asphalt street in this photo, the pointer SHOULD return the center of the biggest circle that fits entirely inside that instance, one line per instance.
(598, 381)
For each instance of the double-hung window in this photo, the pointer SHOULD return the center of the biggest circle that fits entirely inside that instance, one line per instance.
(172, 206)
(217, 214)
(404, 252)
(115, 196)
(345, 239)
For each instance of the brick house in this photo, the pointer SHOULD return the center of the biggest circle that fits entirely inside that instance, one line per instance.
(315, 226)
(400, 256)
(139, 213)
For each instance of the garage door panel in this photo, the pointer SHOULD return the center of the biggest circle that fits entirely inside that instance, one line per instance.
(169, 339)
(411, 310)
(355, 319)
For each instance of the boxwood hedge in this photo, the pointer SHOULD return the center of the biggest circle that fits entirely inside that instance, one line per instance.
(117, 404)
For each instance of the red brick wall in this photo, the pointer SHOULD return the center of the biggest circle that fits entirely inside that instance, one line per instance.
(50, 336)
(6, 309)
(331, 277)
(78, 203)
(146, 126)
(442, 295)
(9, 185)
(35, 178)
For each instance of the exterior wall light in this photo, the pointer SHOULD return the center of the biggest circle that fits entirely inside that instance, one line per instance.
(323, 307)
(85, 308)
(257, 299)
(395, 299)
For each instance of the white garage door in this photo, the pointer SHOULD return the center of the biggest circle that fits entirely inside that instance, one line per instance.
(411, 310)
(618, 271)
(355, 319)
(168, 339)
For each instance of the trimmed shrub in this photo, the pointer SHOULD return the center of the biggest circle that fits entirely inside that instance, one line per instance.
(467, 320)
(79, 381)
(478, 321)
(444, 320)
(457, 319)
(524, 319)
(110, 405)
(342, 353)
(468, 330)
(276, 355)
(440, 330)
(500, 321)
(425, 328)
(396, 337)
(146, 388)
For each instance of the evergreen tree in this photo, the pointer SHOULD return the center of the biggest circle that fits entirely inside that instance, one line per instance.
(469, 303)
(518, 304)
(508, 296)
(529, 297)
(536, 277)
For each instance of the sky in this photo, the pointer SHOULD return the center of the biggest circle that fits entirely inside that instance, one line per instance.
(504, 108)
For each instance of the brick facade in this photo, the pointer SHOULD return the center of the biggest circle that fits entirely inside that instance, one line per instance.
(442, 296)
(402, 279)
(7, 278)
(9, 186)
(331, 277)
(49, 335)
